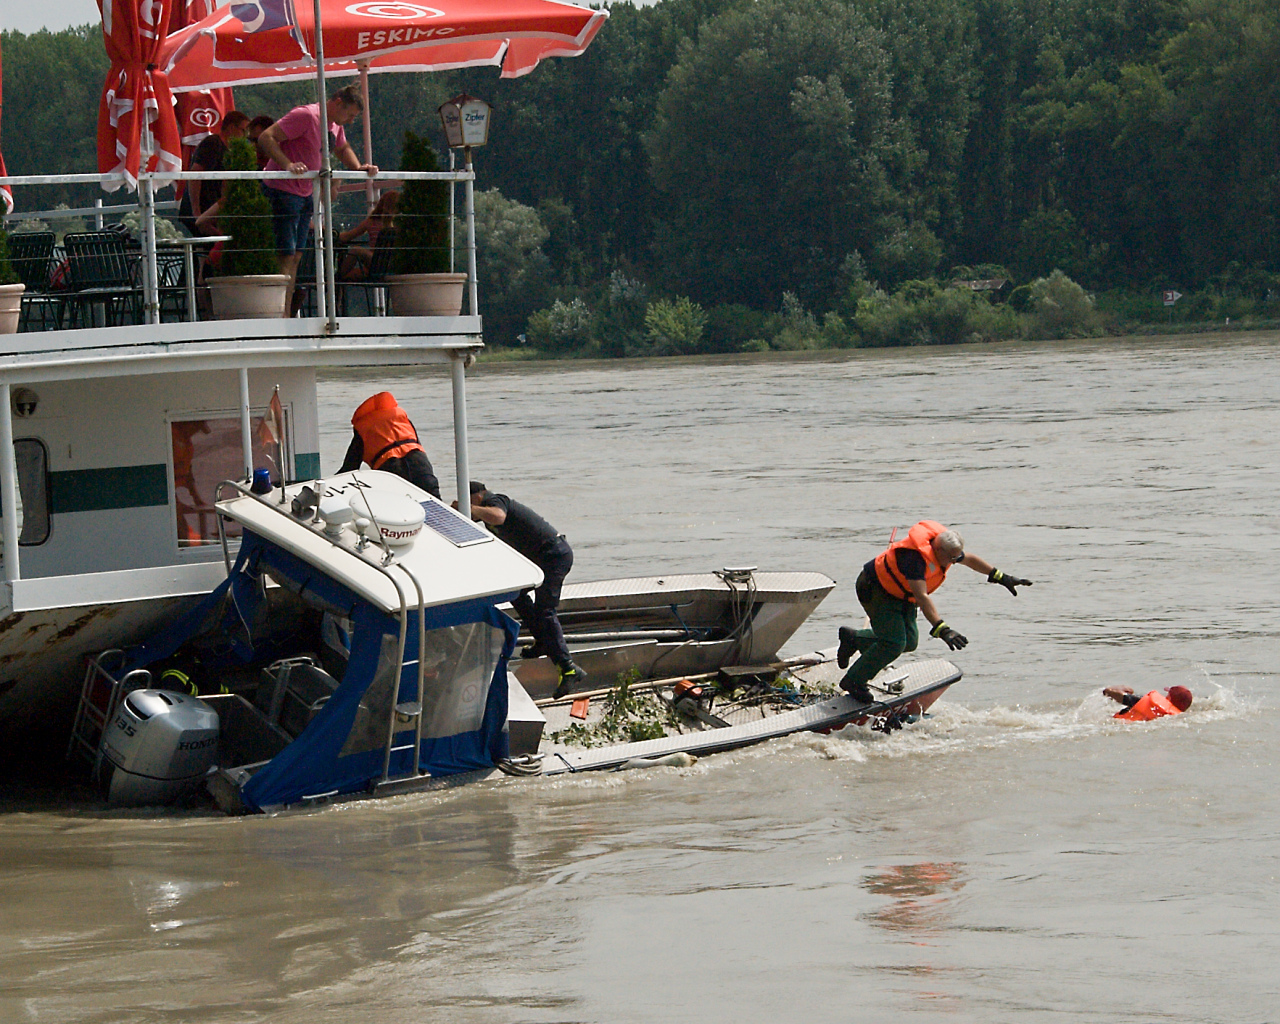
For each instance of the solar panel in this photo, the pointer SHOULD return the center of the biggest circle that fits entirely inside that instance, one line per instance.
(456, 530)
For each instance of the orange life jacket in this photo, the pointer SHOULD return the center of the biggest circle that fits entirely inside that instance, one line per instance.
(384, 429)
(1154, 705)
(919, 538)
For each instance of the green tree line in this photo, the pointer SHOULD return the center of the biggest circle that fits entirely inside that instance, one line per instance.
(733, 153)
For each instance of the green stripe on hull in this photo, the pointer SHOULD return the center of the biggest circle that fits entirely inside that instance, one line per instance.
(95, 490)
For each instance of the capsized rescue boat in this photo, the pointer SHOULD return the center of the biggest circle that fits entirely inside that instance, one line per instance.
(360, 646)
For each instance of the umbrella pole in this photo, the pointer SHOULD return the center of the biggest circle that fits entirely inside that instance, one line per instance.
(326, 176)
(367, 129)
(472, 299)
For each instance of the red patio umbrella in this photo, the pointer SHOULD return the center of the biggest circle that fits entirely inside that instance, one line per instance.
(274, 40)
(135, 116)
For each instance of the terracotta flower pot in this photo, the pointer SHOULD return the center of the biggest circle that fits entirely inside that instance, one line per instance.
(10, 307)
(254, 297)
(426, 294)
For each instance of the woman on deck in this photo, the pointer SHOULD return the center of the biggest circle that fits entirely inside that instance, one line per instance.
(355, 263)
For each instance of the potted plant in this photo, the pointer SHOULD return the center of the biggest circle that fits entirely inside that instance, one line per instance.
(248, 284)
(11, 289)
(420, 283)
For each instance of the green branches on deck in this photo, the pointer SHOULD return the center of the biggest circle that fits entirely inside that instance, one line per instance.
(246, 217)
(422, 221)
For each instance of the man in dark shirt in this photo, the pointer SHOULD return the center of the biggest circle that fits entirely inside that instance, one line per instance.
(523, 529)
(200, 195)
(892, 586)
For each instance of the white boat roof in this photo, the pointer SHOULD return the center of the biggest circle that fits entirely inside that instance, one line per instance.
(452, 558)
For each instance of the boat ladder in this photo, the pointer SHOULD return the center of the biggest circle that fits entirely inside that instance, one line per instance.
(99, 697)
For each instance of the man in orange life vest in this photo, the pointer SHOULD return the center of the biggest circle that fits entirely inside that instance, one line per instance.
(1155, 704)
(385, 438)
(892, 586)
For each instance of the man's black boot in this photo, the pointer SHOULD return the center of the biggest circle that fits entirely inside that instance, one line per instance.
(570, 676)
(859, 692)
(848, 646)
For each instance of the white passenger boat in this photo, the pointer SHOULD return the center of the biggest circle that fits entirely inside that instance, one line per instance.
(350, 664)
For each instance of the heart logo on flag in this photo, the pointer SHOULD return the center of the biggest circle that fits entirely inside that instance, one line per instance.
(395, 10)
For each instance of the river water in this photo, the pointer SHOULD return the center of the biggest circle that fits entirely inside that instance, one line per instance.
(1018, 856)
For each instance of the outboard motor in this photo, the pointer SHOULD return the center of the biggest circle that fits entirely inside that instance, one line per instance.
(158, 747)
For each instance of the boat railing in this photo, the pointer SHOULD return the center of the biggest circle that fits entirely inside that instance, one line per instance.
(325, 237)
(105, 685)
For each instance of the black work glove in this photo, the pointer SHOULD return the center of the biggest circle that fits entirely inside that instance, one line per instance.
(1010, 583)
(949, 636)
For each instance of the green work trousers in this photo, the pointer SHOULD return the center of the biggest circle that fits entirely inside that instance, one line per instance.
(893, 631)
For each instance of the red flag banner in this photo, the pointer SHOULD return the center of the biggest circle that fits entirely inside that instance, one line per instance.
(199, 113)
(274, 40)
(269, 434)
(136, 124)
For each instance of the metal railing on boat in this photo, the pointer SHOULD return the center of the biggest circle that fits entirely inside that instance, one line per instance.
(325, 238)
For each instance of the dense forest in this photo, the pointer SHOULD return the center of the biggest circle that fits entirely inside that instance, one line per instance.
(721, 174)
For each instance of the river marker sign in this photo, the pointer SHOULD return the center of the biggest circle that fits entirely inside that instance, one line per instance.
(1170, 297)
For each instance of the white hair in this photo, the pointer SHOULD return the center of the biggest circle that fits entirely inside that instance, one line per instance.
(949, 543)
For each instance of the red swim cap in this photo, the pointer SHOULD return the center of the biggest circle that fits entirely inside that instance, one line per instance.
(1180, 697)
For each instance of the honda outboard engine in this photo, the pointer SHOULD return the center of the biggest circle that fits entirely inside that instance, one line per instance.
(158, 747)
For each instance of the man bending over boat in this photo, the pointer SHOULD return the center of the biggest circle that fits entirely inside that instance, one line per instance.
(526, 531)
(385, 438)
(892, 586)
(1155, 704)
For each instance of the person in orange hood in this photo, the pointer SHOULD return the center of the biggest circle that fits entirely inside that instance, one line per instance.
(386, 439)
(1173, 701)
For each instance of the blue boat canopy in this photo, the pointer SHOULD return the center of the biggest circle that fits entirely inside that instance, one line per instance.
(465, 645)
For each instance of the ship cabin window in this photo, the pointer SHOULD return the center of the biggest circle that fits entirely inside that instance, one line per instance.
(206, 452)
(32, 459)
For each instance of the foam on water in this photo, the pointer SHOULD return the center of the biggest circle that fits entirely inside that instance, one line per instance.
(952, 728)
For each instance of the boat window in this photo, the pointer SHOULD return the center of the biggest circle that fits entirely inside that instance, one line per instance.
(460, 662)
(32, 460)
(206, 452)
(460, 665)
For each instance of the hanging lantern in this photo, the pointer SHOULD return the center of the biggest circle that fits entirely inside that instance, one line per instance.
(466, 121)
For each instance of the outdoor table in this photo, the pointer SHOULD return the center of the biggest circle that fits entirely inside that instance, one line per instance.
(189, 261)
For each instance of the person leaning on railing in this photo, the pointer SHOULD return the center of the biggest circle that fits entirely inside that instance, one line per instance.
(293, 145)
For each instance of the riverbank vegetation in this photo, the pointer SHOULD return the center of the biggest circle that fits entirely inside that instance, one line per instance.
(730, 175)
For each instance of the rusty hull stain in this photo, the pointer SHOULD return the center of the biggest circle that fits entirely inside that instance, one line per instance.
(11, 620)
(74, 627)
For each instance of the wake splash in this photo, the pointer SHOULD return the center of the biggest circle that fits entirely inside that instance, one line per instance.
(950, 728)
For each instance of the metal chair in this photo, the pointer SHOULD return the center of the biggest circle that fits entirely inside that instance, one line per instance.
(31, 253)
(171, 279)
(103, 276)
(374, 283)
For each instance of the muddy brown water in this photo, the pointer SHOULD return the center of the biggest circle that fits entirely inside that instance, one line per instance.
(1018, 856)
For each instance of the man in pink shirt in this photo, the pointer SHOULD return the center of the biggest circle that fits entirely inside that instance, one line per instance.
(293, 145)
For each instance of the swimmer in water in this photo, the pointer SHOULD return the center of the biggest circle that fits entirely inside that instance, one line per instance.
(1173, 701)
